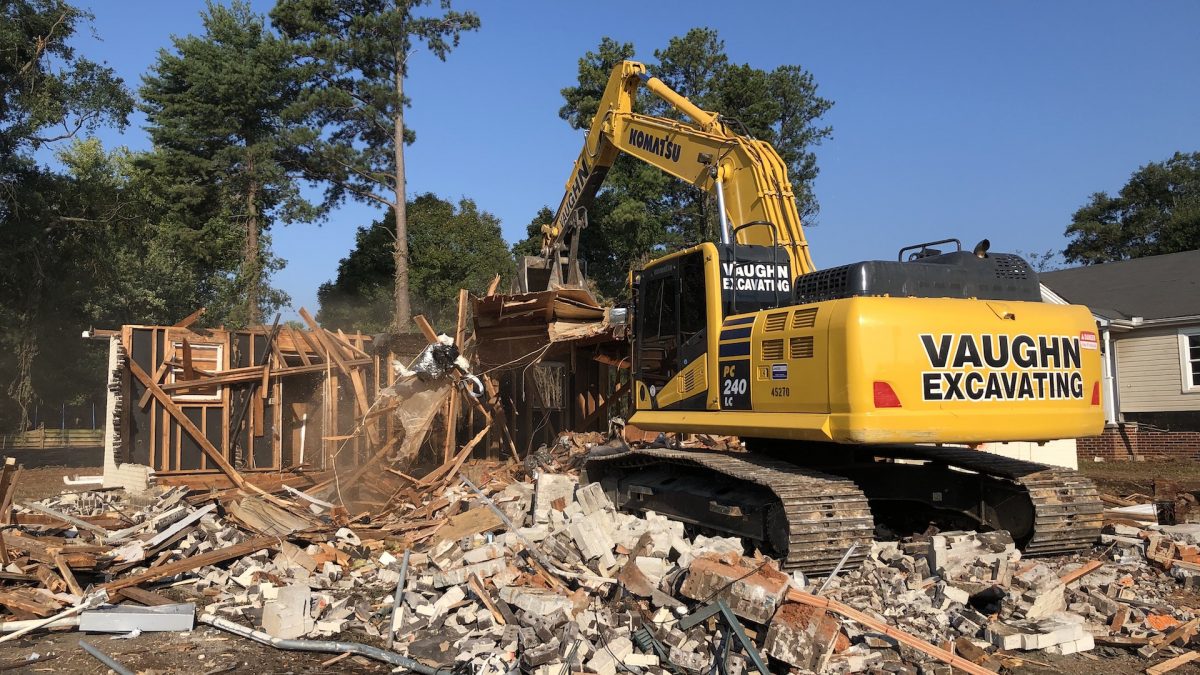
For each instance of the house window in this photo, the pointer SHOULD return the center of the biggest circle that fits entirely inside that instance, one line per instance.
(1189, 358)
(206, 361)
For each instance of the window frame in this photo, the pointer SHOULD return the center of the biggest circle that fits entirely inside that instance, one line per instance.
(1188, 368)
(219, 390)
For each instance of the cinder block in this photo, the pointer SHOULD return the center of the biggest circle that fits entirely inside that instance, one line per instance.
(752, 595)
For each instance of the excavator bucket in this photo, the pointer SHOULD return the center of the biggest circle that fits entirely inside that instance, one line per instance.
(533, 274)
(557, 270)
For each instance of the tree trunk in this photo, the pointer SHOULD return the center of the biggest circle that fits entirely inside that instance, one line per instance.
(403, 315)
(21, 388)
(251, 269)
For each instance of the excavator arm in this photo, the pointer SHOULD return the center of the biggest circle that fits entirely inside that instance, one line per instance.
(755, 199)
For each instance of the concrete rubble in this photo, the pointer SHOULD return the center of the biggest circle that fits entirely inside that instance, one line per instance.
(577, 586)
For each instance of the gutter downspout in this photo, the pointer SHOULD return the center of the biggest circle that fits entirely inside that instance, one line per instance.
(1110, 378)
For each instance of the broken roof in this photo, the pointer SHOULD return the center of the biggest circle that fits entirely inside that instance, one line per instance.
(1155, 287)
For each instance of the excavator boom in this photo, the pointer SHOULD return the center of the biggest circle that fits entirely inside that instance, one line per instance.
(747, 176)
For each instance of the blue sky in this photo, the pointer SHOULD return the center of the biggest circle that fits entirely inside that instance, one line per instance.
(966, 119)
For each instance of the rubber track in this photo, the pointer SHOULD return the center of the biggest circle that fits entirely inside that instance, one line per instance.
(1068, 513)
(825, 514)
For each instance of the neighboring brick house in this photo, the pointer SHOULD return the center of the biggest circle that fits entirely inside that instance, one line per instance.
(1148, 313)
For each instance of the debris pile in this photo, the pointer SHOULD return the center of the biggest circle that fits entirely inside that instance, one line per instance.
(532, 570)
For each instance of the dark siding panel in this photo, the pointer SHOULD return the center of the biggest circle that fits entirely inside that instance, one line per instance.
(189, 450)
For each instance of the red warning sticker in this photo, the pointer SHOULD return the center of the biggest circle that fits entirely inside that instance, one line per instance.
(1087, 340)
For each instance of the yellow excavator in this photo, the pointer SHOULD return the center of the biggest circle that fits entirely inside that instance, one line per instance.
(858, 391)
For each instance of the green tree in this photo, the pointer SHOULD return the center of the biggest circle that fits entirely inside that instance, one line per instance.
(452, 247)
(532, 243)
(355, 53)
(1156, 212)
(641, 212)
(215, 108)
(48, 93)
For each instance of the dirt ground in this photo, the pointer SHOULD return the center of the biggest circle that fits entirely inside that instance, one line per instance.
(204, 650)
(1125, 478)
(210, 651)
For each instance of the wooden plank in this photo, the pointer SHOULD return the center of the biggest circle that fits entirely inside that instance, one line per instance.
(144, 597)
(1183, 632)
(1074, 575)
(254, 374)
(26, 600)
(476, 521)
(50, 581)
(190, 319)
(360, 397)
(345, 341)
(68, 576)
(296, 343)
(1118, 619)
(70, 520)
(480, 592)
(8, 484)
(1172, 663)
(314, 344)
(894, 633)
(329, 349)
(187, 564)
(452, 407)
(158, 376)
(426, 329)
(189, 373)
(186, 424)
(355, 375)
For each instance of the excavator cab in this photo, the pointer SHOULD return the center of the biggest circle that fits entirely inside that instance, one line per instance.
(680, 302)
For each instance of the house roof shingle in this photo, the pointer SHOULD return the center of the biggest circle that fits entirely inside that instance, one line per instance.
(1155, 287)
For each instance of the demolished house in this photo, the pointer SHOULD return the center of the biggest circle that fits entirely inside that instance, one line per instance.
(561, 360)
(199, 407)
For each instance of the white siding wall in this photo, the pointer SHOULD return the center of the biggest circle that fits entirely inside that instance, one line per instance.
(1148, 374)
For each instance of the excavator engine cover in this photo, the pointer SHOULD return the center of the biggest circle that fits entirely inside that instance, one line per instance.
(998, 276)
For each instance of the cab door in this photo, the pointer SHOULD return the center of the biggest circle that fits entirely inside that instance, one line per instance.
(671, 342)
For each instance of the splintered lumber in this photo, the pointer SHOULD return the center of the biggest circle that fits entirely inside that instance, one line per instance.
(452, 407)
(188, 564)
(296, 343)
(8, 484)
(144, 597)
(70, 520)
(480, 592)
(42, 549)
(29, 601)
(190, 318)
(51, 581)
(266, 518)
(158, 375)
(1172, 663)
(894, 633)
(426, 329)
(1184, 632)
(68, 576)
(448, 469)
(475, 521)
(1082, 571)
(356, 380)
